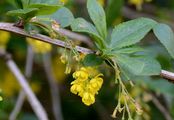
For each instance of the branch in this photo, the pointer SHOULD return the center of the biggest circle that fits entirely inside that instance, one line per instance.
(21, 96)
(10, 28)
(167, 75)
(37, 107)
(18, 106)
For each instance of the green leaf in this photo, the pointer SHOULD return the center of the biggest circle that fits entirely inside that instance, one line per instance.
(165, 35)
(92, 60)
(131, 32)
(64, 16)
(24, 13)
(19, 3)
(158, 85)
(81, 25)
(44, 1)
(50, 1)
(151, 66)
(113, 11)
(25, 3)
(97, 15)
(128, 50)
(45, 9)
(35, 1)
(138, 65)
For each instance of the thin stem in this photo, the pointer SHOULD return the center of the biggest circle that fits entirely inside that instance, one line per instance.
(34, 102)
(37, 107)
(21, 97)
(18, 106)
(127, 108)
(162, 109)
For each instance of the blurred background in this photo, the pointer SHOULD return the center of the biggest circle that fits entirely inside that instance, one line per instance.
(154, 94)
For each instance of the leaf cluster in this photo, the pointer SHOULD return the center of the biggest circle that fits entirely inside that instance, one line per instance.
(28, 9)
(122, 47)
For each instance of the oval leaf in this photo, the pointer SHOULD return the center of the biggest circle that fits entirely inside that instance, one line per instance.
(64, 16)
(139, 65)
(131, 32)
(24, 13)
(165, 35)
(98, 16)
(113, 11)
(128, 50)
(19, 3)
(45, 9)
(81, 25)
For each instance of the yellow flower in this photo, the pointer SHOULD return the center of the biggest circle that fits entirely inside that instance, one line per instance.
(95, 84)
(77, 88)
(138, 3)
(81, 75)
(39, 46)
(87, 84)
(4, 38)
(88, 98)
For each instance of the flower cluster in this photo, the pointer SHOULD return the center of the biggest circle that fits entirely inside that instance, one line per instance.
(87, 83)
(4, 38)
(138, 3)
(38, 46)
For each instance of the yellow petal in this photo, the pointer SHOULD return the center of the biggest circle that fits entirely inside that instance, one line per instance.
(88, 99)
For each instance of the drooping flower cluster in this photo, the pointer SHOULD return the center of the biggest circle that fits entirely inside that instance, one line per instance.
(138, 3)
(38, 46)
(87, 83)
(4, 38)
